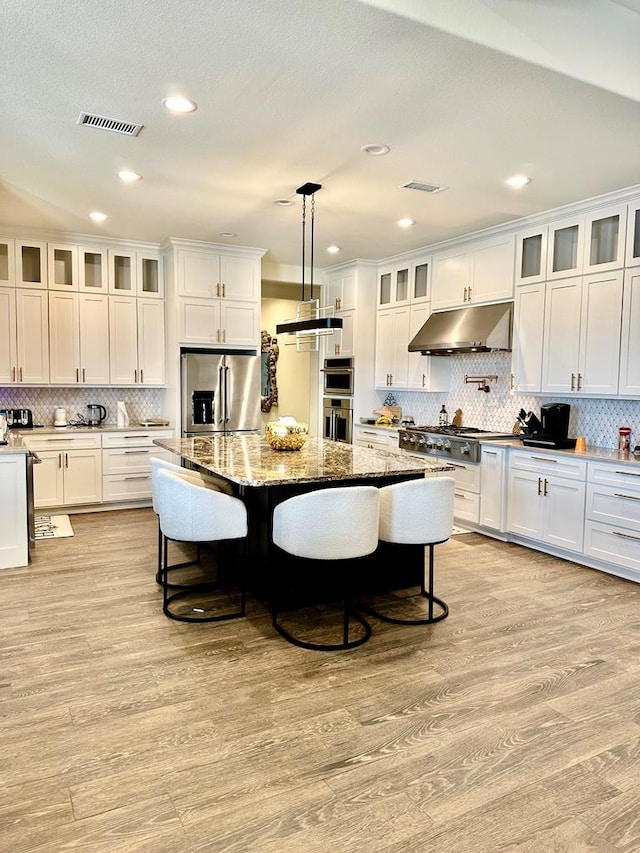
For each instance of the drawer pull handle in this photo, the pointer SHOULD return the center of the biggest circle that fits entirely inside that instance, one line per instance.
(145, 477)
(460, 495)
(626, 535)
(543, 459)
(134, 436)
(490, 452)
(627, 473)
(137, 452)
(453, 465)
(628, 497)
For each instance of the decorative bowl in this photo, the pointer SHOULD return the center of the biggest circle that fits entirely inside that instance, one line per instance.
(286, 435)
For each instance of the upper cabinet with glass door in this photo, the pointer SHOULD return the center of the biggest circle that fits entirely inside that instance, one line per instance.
(393, 285)
(149, 274)
(565, 247)
(531, 256)
(604, 239)
(92, 269)
(7, 262)
(421, 281)
(62, 260)
(31, 264)
(633, 235)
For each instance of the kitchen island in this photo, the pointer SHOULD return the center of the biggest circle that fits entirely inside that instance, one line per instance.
(264, 477)
(15, 501)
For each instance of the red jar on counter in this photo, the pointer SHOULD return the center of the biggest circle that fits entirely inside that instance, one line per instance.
(624, 439)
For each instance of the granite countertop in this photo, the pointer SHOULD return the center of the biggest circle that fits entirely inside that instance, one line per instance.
(591, 454)
(15, 444)
(249, 461)
(51, 430)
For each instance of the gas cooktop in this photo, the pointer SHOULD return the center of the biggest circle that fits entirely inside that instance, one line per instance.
(453, 441)
(471, 432)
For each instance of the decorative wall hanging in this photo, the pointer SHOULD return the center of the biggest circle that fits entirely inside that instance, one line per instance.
(269, 354)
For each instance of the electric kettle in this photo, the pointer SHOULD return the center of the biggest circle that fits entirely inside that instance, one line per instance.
(97, 414)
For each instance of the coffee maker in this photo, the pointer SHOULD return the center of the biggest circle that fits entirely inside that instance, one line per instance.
(554, 428)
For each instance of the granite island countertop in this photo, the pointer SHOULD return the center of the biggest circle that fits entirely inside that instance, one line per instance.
(248, 460)
(14, 444)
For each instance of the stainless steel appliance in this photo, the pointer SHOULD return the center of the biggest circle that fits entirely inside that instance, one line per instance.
(220, 392)
(477, 328)
(338, 419)
(338, 376)
(97, 414)
(453, 441)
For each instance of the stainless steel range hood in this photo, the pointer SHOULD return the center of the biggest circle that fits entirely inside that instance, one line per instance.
(479, 328)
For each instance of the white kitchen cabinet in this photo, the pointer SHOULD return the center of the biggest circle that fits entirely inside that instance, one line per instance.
(136, 341)
(630, 341)
(392, 340)
(79, 338)
(426, 373)
(63, 271)
(14, 538)
(207, 274)
(340, 290)
(547, 499)
(126, 466)
(70, 473)
(632, 256)
(32, 336)
(421, 280)
(149, 276)
(93, 265)
(216, 321)
(528, 335)
(531, 255)
(31, 264)
(582, 335)
(493, 487)
(122, 271)
(605, 232)
(7, 262)
(565, 247)
(393, 284)
(380, 438)
(612, 529)
(342, 341)
(473, 274)
(8, 340)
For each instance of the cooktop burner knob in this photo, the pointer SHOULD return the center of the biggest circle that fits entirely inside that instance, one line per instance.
(411, 438)
(465, 449)
(446, 445)
(421, 441)
(438, 444)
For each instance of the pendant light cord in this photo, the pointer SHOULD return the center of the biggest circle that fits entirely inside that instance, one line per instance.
(304, 239)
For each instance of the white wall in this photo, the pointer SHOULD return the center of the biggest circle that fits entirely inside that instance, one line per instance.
(294, 368)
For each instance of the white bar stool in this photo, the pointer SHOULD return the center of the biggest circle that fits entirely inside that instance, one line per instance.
(328, 525)
(192, 512)
(417, 512)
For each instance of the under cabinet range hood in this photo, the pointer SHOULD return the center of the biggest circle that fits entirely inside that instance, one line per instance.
(477, 328)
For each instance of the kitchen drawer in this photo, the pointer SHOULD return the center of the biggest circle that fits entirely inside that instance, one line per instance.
(616, 505)
(613, 544)
(134, 439)
(126, 487)
(541, 462)
(616, 475)
(126, 460)
(78, 441)
(466, 474)
(466, 506)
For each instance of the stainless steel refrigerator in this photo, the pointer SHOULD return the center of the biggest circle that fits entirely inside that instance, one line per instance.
(220, 392)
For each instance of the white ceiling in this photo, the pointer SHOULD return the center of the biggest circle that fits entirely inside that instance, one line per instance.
(465, 93)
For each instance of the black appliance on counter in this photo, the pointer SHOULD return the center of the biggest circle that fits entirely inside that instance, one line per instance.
(453, 441)
(18, 418)
(554, 428)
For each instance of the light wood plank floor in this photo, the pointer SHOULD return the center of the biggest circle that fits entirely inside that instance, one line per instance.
(512, 725)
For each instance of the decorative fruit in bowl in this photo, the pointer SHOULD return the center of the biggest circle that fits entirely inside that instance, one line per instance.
(286, 434)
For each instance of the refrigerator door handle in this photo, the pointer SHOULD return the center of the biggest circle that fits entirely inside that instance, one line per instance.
(221, 392)
(227, 416)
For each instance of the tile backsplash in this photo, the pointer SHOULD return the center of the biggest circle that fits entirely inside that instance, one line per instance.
(142, 403)
(597, 419)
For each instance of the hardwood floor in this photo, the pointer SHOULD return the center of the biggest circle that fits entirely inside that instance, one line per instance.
(512, 725)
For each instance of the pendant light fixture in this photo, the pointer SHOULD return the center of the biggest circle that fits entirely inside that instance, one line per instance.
(311, 320)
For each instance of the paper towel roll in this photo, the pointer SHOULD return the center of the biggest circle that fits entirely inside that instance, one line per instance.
(122, 415)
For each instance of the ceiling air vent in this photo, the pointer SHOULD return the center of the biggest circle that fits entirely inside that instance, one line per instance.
(113, 124)
(422, 187)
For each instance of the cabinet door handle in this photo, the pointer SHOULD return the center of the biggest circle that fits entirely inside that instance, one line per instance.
(13, 374)
(59, 460)
(224, 336)
(626, 535)
(539, 486)
(224, 290)
(546, 484)
(77, 375)
(20, 374)
(469, 299)
(512, 380)
(628, 473)
(66, 460)
(218, 288)
(135, 376)
(84, 375)
(423, 379)
(391, 379)
(464, 298)
(460, 495)
(579, 382)
(573, 380)
(338, 303)
(628, 497)
(141, 376)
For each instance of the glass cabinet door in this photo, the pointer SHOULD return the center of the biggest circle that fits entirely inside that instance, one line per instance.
(421, 282)
(149, 275)
(566, 239)
(402, 285)
(531, 256)
(122, 272)
(633, 235)
(384, 289)
(63, 266)
(92, 273)
(7, 262)
(31, 264)
(604, 244)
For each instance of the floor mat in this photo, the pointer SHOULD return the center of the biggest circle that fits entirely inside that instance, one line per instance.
(458, 530)
(53, 527)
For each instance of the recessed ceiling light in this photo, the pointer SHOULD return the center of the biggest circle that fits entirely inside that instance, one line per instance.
(128, 176)
(374, 149)
(97, 216)
(178, 104)
(228, 234)
(518, 181)
(333, 250)
(406, 223)
(283, 202)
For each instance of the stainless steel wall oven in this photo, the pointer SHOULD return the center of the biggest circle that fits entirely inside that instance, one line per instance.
(338, 376)
(338, 419)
